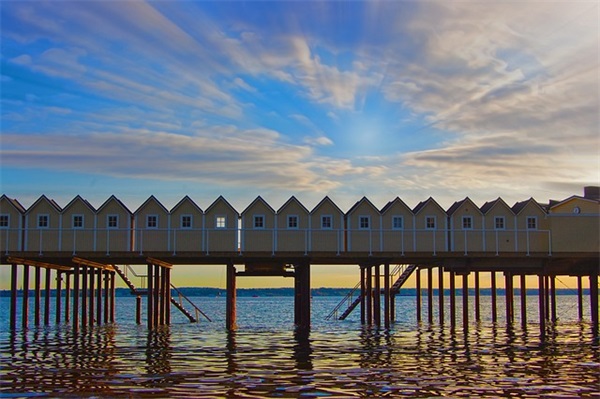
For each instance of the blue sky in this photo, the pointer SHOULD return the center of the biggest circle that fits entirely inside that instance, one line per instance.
(383, 99)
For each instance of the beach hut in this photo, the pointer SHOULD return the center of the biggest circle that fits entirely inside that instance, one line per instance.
(397, 224)
(258, 227)
(42, 226)
(500, 227)
(11, 225)
(363, 227)
(465, 222)
(326, 224)
(292, 227)
(113, 226)
(221, 227)
(533, 227)
(151, 221)
(187, 224)
(574, 224)
(431, 225)
(78, 226)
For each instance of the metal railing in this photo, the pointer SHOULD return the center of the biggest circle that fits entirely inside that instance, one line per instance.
(182, 296)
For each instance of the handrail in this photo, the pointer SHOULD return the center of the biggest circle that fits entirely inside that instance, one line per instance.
(347, 298)
(181, 295)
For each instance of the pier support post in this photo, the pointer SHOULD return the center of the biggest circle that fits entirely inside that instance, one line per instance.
(594, 301)
(477, 298)
(168, 296)
(163, 294)
(58, 295)
(138, 310)
(25, 296)
(84, 295)
(553, 298)
(441, 294)
(523, 301)
(155, 296)
(99, 296)
(465, 295)
(107, 296)
(580, 297)
(430, 295)
(67, 297)
(231, 298)
(363, 293)
(113, 292)
(92, 315)
(418, 289)
(508, 278)
(494, 297)
(150, 299)
(13, 296)
(547, 296)
(369, 295)
(75, 297)
(37, 296)
(377, 296)
(47, 297)
(452, 300)
(302, 296)
(542, 304)
(386, 295)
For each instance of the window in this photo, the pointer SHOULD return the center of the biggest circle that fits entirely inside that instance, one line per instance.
(292, 222)
(364, 222)
(259, 222)
(43, 221)
(112, 221)
(326, 222)
(78, 221)
(221, 222)
(499, 223)
(531, 223)
(186, 221)
(4, 221)
(467, 222)
(151, 221)
(397, 222)
(430, 222)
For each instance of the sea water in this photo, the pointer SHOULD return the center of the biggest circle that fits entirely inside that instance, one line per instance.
(266, 357)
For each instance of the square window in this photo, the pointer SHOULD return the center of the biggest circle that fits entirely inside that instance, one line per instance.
(151, 221)
(4, 221)
(364, 222)
(467, 223)
(112, 221)
(326, 222)
(43, 221)
(499, 223)
(531, 223)
(292, 222)
(259, 222)
(430, 222)
(397, 222)
(78, 221)
(221, 222)
(186, 221)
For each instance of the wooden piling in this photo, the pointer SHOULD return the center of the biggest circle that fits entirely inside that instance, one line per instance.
(452, 300)
(37, 296)
(230, 317)
(580, 297)
(91, 289)
(67, 297)
(430, 295)
(386, 295)
(13, 296)
(363, 294)
(369, 295)
(100, 273)
(441, 294)
(168, 297)
(75, 297)
(477, 298)
(465, 295)
(84, 295)
(494, 297)
(138, 310)
(523, 301)
(418, 289)
(106, 281)
(113, 291)
(47, 297)
(542, 304)
(58, 295)
(25, 296)
(150, 294)
(553, 298)
(547, 296)
(508, 288)
(594, 301)
(377, 296)
(156, 295)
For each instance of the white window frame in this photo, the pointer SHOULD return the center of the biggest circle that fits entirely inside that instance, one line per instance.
(220, 221)
(470, 222)
(43, 216)
(401, 219)
(329, 218)
(293, 222)
(5, 216)
(364, 222)
(535, 223)
(256, 219)
(108, 220)
(152, 218)
(182, 219)
(496, 220)
(434, 219)
(74, 219)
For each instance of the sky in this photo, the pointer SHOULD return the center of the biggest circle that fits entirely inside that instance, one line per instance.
(414, 99)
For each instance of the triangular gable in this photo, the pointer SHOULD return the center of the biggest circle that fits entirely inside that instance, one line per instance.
(519, 206)
(14, 203)
(78, 198)
(289, 201)
(488, 206)
(44, 198)
(391, 204)
(115, 199)
(423, 204)
(183, 201)
(218, 200)
(554, 204)
(258, 199)
(322, 202)
(152, 198)
(358, 203)
(456, 206)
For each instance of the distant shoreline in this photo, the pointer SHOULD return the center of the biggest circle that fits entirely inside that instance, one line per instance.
(323, 291)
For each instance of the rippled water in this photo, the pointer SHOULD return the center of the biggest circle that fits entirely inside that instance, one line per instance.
(265, 357)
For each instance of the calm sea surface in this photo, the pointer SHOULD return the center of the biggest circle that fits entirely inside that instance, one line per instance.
(265, 357)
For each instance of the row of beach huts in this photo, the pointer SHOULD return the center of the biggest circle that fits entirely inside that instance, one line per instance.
(570, 225)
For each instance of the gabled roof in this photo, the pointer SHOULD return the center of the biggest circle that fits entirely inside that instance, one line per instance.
(456, 206)
(519, 206)
(115, 199)
(152, 198)
(390, 204)
(422, 205)
(221, 199)
(571, 198)
(184, 200)
(289, 201)
(488, 206)
(15, 204)
(79, 198)
(324, 200)
(44, 198)
(357, 204)
(261, 200)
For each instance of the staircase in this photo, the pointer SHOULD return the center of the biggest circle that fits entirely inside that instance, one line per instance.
(404, 272)
(132, 287)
